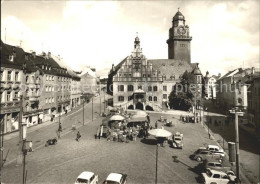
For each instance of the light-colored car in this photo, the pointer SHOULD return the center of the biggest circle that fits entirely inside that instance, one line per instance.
(116, 178)
(87, 177)
(177, 140)
(216, 177)
(214, 148)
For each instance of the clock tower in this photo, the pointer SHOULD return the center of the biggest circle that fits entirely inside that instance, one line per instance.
(179, 39)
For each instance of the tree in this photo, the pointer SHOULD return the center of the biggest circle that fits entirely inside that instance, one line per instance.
(181, 97)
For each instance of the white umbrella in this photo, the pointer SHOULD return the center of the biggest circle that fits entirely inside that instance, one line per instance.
(117, 118)
(160, 133)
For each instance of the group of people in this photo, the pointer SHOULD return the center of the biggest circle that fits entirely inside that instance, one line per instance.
(122, 133)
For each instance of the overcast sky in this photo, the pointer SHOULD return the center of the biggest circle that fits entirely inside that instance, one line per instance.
(225, 33)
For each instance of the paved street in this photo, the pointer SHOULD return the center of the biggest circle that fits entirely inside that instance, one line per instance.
(63, 162)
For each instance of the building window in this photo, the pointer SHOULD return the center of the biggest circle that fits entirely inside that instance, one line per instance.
(16, 76)
(46, 100)
(164, 96)
(52, 99)
(139, 87)
(130, 88)
(150, 98)
(16, 95)
(8, 96)
(144, 75)
(120, 98)
(164, 88)
(121, 88)
(130, 98)
(27, 79)
(155, 98)
(9, 74)
(33, 79)
(27, 92)
(1, 97)
(2, 74)
(155, 88)
(149, 88)
(49, 100)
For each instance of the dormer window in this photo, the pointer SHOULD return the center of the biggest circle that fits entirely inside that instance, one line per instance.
(26, 57)
(11, 58)
(43, 67)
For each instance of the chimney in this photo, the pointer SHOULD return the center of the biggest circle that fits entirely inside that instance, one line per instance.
(43, 54)
(33, 54)
(219, 74)
(49, 54)
(253, 70)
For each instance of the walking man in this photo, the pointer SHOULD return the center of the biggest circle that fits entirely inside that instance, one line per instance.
(156, 125)
(78, 136)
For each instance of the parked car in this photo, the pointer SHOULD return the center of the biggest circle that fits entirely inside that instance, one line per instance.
(203, 154)
(116, 178)
(214, 148)
(215, 165)
(87, 178)
(216, 177)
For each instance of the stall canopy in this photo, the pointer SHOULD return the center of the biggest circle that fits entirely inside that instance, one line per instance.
(139, 116)
(116, 118)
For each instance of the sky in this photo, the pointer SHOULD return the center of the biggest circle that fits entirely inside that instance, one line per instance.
(225, 34)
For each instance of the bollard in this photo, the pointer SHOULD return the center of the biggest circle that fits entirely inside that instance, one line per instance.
(231, 152)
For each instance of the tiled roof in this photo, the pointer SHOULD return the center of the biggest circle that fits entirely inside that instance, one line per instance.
(170, 67)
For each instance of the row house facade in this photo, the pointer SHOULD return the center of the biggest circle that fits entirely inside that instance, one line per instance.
(232, 88)
(44, 84)
(211, 86)
(253, 110)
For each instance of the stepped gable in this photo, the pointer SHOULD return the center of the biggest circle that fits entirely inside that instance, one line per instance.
(171, 67)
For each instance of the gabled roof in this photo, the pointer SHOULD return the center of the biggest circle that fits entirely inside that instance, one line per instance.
(170, 67)
(230, 73)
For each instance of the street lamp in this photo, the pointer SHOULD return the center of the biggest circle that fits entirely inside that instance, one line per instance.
(83, 103)
(24, 134)
(238, 111)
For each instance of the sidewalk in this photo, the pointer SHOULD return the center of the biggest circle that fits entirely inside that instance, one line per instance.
(250, 131)
(30, 129)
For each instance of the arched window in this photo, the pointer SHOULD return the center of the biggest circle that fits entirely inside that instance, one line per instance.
(155, 88)
(155, 98)
(150, 98)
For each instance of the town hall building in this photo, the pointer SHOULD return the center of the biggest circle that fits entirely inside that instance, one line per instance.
(141, 83)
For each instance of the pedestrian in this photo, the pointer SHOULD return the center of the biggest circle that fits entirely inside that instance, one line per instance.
(98, 133)
(78, 136)
(148, 118)
(60, 127)
(156, 124)
(101, 131)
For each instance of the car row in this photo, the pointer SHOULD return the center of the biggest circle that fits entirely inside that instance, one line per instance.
(88, 177)
(215, 169)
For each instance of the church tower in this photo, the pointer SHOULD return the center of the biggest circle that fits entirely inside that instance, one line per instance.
(179, 39)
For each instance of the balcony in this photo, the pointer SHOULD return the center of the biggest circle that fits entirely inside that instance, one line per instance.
(34, 98)
(32, 111)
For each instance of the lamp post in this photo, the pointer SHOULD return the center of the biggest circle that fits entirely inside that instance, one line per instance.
(92, 107)
(24, 133)
(237, 112)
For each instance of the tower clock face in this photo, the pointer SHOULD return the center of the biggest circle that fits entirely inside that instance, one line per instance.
(181, 30)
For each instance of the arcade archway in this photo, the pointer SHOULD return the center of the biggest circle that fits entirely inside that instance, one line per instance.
(149, 108)
(140, 106)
